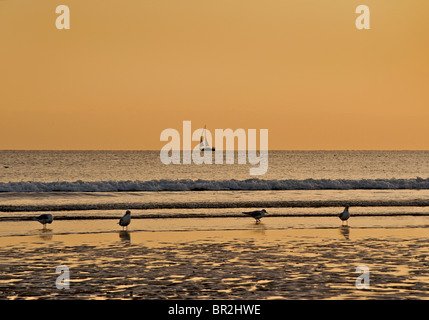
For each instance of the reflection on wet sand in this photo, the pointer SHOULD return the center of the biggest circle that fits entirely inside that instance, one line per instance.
(46, 234)
(124, 236)
(232, 264)
(259, 228)
(345, 231)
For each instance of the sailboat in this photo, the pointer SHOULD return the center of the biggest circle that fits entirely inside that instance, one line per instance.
(204, 144)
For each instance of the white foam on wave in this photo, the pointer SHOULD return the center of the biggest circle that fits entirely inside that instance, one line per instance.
(214, 185)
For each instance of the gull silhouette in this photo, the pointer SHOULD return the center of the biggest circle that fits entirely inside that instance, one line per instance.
(257, 214)
(44, 219)
(125, 220)
(345, 215)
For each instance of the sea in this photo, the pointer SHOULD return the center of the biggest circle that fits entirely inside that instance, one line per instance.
(103, 184)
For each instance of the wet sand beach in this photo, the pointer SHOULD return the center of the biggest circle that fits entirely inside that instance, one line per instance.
(218, 258)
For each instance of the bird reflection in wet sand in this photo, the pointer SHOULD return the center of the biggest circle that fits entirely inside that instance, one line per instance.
(125, 236)
(345, 231)
(259, 229)
(46, 234)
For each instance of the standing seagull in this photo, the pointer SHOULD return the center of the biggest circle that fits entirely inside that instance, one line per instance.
(345, 215)
(258, 214)
(44, 219)
(125, 220)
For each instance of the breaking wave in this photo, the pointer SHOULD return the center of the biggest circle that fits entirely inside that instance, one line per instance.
(215, 185)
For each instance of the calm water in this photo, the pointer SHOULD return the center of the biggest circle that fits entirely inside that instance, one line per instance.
(99, 183)
(50, 166)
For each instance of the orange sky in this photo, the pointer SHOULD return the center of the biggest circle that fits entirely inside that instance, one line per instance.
(128, 69)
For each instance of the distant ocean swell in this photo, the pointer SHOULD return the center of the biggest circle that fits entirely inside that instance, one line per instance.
(214, 185)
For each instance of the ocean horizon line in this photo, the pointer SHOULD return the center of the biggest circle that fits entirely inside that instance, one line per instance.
(291, 150)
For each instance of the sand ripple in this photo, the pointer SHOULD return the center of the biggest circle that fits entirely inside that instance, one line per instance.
(299, 268)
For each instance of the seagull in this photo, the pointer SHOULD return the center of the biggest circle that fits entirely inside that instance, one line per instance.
(258, 214)
(345, 215)
(44, 219)
(125, 220)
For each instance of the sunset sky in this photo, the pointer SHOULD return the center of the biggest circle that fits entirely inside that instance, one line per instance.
(128, 69)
